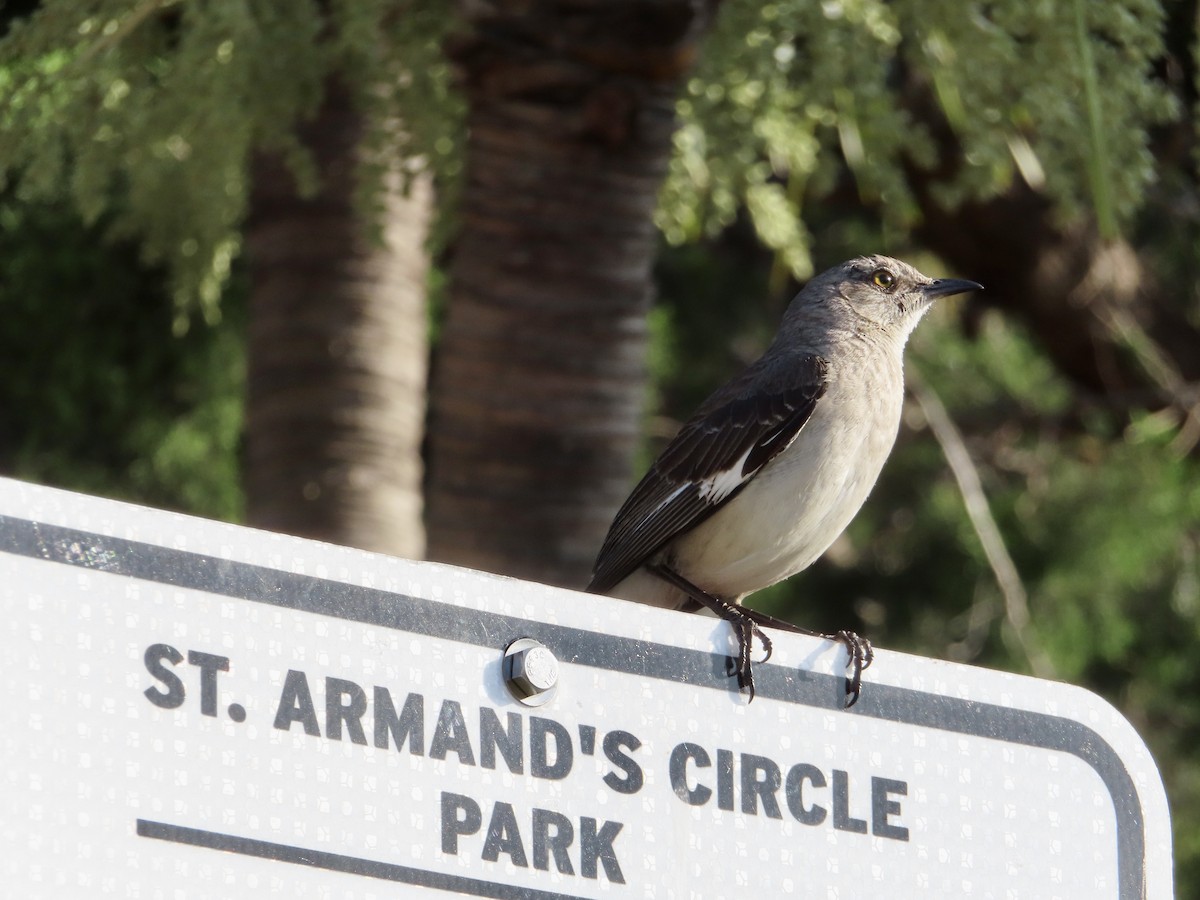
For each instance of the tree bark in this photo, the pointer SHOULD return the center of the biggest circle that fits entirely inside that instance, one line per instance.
(539, 379)
(337, 350)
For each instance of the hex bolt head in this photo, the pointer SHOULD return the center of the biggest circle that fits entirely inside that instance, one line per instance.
(531, 671)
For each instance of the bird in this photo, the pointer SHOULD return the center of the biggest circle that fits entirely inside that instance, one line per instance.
(772, 467)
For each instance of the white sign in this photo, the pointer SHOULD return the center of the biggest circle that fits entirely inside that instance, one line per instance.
(199, 710)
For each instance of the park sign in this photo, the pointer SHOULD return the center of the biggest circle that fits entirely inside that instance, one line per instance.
(201, 710)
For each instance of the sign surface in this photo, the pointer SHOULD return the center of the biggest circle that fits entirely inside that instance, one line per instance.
(201, 710)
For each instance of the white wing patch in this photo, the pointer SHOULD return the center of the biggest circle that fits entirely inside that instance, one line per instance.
(717, 487)
(712, 490)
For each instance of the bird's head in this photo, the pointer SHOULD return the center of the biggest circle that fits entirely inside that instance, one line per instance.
(874, 294)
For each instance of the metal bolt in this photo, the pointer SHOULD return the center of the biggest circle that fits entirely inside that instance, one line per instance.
(531, 672)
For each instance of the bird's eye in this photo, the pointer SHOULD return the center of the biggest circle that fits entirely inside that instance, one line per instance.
(884, 279)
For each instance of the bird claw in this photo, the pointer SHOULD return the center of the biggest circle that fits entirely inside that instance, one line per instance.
(858, 649)
(745, 629)
(746, 624)
(861, 654)
(768, 647)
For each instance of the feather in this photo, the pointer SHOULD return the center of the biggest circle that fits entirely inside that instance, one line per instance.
(733, 435)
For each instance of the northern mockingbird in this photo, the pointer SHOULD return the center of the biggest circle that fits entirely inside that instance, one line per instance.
(775, 464)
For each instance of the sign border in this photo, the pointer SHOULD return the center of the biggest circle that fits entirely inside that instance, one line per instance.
(419, 615)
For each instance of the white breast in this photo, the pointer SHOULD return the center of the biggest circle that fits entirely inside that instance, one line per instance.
(790, 513)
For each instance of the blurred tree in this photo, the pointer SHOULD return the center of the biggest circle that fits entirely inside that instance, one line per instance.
(146, 116)
(539, 381)
(337, 348)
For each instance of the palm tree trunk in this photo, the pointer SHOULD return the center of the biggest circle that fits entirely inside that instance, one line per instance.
(539, 379)
(337, 351)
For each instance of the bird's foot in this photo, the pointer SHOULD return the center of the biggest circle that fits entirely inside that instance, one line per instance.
(861, 653)
(745, 629)
(744, 625)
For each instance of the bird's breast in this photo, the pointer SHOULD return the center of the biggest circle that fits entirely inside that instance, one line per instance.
(791, 511)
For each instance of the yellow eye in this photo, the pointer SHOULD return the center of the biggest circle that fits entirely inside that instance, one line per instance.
(884, 279)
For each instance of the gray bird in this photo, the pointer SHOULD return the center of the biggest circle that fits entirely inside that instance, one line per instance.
(775, 464)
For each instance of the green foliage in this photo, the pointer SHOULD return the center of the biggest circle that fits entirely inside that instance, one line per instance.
(98, 394)
(1004, 367)
(708, 290)
(147, 113)
(775, 83)
(790, 91)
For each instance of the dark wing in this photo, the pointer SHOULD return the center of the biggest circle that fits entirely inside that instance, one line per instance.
(737, 431)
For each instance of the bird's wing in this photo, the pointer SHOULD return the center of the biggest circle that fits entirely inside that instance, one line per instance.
(737, 431)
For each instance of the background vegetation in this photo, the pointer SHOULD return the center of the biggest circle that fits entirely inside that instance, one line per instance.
(1042, 510)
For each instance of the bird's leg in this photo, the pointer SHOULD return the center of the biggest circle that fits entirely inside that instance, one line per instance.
(861, 653)
(739, 617)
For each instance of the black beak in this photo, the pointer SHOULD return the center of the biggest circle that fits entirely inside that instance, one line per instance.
(947, 287)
